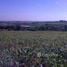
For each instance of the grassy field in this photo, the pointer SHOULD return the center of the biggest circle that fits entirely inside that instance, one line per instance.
(26, 38)
(50, 44)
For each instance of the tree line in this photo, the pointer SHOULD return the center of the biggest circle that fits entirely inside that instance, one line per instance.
(46, 27)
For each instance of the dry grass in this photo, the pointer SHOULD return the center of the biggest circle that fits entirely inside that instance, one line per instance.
(51, 44)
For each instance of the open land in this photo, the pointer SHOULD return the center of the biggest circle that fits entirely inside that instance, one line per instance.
(48, 47)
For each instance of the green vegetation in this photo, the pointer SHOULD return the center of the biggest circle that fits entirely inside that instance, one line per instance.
(47, 46)
(31, 38)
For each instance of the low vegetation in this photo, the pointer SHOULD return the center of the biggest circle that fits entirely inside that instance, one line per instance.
(36, 48)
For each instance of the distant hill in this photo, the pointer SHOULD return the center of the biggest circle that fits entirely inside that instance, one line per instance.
(34, 25)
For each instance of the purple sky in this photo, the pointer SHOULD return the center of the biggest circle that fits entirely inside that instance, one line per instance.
(33, 10)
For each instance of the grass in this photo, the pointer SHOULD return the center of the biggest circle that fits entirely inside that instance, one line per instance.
(44, 43)
(37, 38)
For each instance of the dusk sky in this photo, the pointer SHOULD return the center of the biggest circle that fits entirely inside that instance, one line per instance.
(33, 10)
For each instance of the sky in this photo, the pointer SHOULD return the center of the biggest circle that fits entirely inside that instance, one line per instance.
(33, 10)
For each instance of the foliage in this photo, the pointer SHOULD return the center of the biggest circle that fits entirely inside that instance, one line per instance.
(41, 47)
